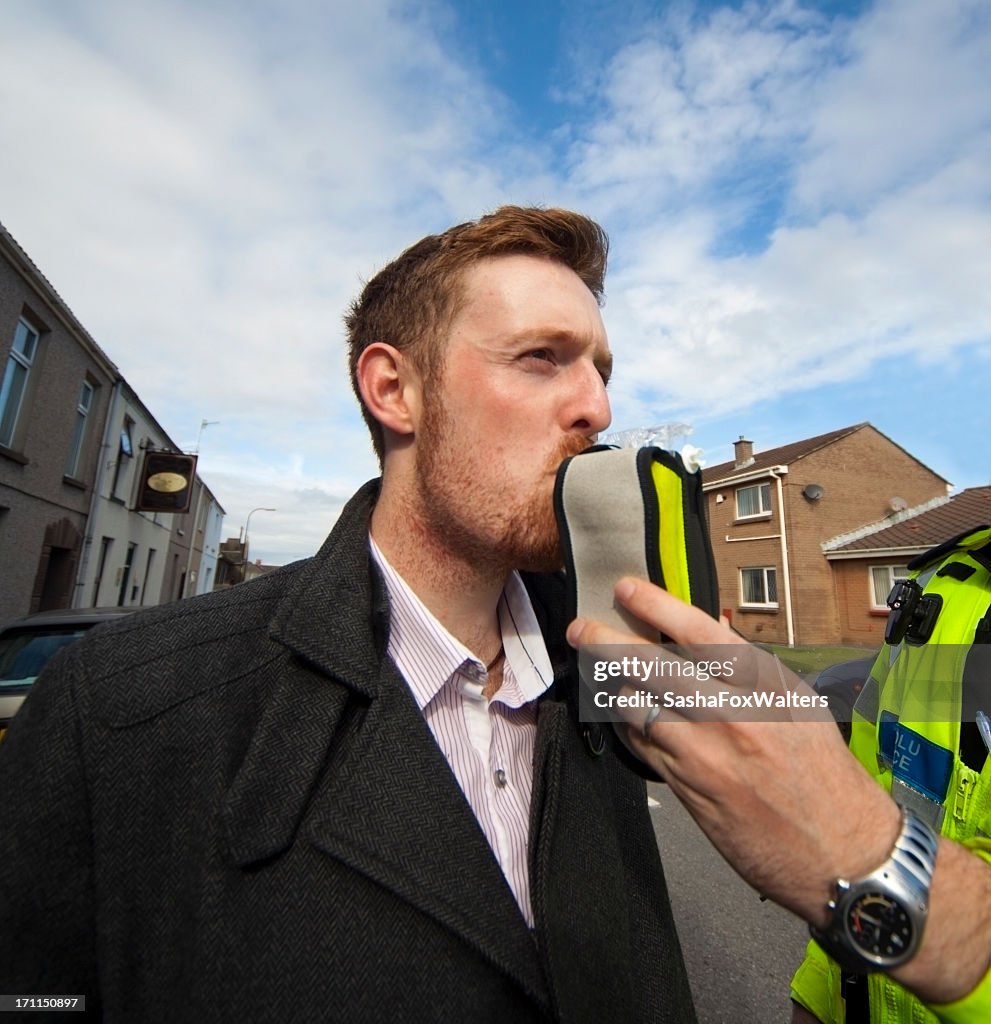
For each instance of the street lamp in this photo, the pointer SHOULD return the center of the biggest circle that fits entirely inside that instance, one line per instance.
(244, 549)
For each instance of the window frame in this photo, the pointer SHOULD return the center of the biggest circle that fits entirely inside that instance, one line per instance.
(87, 391)
(895, 572)
(24, 361)
(763, 490)
(122, 466)
(764, 570)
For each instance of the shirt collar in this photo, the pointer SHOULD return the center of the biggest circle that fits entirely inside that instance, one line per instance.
(427, 655)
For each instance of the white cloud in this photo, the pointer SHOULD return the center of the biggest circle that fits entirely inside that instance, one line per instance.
(207, 184)
(305, 509)
(696, 98)
(860, 146)
(911, 93)
(790, 196)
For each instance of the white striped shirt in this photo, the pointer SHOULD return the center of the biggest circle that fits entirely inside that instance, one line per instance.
(488, 743)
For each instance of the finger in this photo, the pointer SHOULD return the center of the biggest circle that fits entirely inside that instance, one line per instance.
(652, 749)
(644, 750)
(650, 720)
(588, 632)
(682, 622)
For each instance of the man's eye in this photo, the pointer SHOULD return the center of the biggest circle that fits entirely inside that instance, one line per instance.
(540, 353)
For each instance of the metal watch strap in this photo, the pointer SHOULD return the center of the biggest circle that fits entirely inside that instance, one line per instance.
(905, 877)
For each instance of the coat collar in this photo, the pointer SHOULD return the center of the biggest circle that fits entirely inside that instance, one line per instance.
(335, 615)
(367, 784)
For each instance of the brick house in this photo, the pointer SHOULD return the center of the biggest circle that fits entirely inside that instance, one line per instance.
(770, 513)
(866, 563)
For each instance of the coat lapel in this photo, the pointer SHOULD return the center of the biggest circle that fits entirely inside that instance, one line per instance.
(581, 911)
(384, 801)
(393, 810)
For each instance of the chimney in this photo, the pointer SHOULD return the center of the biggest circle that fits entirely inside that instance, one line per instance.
(744, 452)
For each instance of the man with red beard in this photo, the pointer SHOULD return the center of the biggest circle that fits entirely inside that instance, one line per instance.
(358, 789)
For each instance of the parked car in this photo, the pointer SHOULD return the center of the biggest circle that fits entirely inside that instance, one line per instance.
(27, 644)
(841, 684)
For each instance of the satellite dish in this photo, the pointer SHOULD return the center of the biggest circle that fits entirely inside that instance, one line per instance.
(813, 492)
(898, 504)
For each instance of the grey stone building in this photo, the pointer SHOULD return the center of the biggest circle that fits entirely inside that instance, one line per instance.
(73, 434)
(54, 396)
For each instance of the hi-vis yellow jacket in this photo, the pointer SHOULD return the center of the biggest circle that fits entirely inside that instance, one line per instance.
(907, 732)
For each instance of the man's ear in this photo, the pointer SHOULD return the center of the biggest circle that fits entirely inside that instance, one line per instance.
(390, 388)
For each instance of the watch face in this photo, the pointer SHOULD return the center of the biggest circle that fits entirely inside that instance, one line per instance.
(879, 926)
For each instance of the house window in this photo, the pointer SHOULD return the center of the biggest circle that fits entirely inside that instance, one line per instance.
(79, 433)
(125, 452)
(148, 564)
(760, 586)
(105, 546)
(15, 379)
(753, 501)
(882, 580)
(125, 574)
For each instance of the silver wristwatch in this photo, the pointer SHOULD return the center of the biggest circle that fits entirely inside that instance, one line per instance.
(877, 921)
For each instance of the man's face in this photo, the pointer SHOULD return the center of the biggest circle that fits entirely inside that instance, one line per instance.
(522, 388)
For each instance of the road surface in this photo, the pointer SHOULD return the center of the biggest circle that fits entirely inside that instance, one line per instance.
(740, 952)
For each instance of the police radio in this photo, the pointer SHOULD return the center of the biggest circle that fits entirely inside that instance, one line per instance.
(913, 614)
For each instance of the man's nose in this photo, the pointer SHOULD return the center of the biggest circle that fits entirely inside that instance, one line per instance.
(591, 412)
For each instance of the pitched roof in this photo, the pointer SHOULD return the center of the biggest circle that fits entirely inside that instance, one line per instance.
(920, 528)
(787, 454)
(782, 456)
(22, 263)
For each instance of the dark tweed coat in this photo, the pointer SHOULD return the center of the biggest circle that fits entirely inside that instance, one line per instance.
(230, 809)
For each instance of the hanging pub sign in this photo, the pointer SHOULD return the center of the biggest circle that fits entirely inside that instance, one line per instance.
(166, 482)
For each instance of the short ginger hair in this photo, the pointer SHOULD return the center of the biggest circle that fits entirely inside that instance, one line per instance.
(411, 303)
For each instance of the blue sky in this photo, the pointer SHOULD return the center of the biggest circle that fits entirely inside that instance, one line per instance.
(797, 196)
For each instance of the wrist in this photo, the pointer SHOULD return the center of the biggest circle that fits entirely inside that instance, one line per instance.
(955, 956)
(867, 841)
(875, 922)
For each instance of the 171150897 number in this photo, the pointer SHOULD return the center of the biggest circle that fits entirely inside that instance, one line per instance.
(42, 1003)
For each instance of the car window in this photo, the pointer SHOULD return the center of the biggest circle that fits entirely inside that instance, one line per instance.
(24, 653)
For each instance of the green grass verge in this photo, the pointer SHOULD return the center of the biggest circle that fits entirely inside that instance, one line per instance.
(806, 660)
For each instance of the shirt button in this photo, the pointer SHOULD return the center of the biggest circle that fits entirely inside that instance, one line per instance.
(500, 777)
